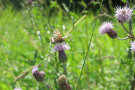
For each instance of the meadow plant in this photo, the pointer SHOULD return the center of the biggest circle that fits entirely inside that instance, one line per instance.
(123, 15)
(39, 76)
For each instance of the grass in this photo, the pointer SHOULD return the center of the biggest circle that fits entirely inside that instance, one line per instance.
(107, 65)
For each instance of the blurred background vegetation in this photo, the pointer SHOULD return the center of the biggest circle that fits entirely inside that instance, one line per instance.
(25, 29)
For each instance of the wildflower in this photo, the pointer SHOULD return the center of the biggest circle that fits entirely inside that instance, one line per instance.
(17, 89)
(133, 46)
(60, 47)
(123, 14)
(39, 76)
(63, 83)
(107, 27)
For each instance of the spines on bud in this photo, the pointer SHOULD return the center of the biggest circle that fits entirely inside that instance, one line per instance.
(112, 34)
(39, 76)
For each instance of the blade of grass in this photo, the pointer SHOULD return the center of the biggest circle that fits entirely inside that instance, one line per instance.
(88, 47)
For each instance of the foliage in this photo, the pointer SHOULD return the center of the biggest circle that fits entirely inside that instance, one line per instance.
(22, 46)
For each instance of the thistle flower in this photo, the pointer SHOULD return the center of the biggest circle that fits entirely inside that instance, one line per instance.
(133, 46)
(60, 47)
(39, 76)
(63, 83)
(105, 27)
(123, 14)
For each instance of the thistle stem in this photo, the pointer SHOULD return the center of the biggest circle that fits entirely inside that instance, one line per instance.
(47, 85)
(126, 29)
(123, 38)
(65, 71)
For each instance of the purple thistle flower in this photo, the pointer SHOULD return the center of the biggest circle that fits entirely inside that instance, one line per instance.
(39, 76)
(133, 46)
(123, 14)
(105, 27)
(60, 47)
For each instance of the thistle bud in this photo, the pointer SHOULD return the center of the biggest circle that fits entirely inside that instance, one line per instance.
(62, 80)
(66, 87)
(112, 34)
(62, 56)
(39, 76)
(63, 83)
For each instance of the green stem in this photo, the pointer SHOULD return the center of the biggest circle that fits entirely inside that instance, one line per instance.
(88, 48)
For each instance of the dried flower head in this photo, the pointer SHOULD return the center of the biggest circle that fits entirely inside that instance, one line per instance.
(123, 14)
(105, 27)
(133, 46)
(61, 47)
(62, 80)
(39, 76)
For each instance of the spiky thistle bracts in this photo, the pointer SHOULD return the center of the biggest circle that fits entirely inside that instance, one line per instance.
(39, 76)
(123, 14)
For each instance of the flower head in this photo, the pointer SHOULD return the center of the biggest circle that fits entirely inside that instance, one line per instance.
(133, 46)
(63, 83)
(62, 80)
(61, 47)
(105, 27)
(123, 14)
(39, 76)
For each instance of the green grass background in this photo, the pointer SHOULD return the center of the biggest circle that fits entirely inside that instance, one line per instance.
(107, 65)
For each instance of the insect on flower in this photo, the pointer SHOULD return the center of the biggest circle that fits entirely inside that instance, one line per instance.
(57, 37)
